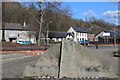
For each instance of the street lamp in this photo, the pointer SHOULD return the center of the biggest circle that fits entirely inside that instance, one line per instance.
(115, 29)
(3, 22)
(114, 34)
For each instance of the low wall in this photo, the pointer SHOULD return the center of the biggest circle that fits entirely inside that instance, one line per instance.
(28, 52)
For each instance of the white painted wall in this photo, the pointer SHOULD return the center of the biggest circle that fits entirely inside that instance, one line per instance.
(82, 35)
(100, 34)
(14, 34)
(75, 33)
(69, 37)
(57, 40)
(78, 36)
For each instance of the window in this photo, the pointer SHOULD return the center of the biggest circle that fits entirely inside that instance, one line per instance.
(77, 39)
(86, 34)
(12, 31)
(82, 34)
(82, 39)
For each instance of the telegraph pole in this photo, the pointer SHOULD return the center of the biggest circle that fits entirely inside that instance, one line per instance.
(3, 22)
(41, 20)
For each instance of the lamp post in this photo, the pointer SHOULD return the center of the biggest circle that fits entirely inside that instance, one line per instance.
(115, 29)
(3, 22)
(114, 34)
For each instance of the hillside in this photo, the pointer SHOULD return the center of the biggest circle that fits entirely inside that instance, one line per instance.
(61, 19)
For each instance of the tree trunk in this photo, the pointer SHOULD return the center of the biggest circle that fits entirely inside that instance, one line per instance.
(41, 20)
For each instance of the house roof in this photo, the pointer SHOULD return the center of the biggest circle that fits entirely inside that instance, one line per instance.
(112, 33)
(81, 29)
(13, 26)
(55, 34)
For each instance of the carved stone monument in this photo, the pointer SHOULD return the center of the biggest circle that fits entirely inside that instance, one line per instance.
(69, 59)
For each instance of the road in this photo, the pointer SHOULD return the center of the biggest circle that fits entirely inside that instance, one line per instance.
(105, 47)
(14, 67)
(105, 55)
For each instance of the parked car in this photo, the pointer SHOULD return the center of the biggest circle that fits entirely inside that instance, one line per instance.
(84, 42)
(24, 42)
(19, 42)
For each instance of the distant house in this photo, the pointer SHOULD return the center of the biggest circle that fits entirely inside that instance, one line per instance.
(91, 36)
(58, 36)
(81, 34)
(106, 36)
(16, 32)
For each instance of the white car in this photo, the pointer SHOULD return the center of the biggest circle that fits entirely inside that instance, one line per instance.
(19, 42)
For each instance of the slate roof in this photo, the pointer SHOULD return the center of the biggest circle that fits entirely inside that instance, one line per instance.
(81, 29)
(112, 33)
(55, 34)
(13, 26)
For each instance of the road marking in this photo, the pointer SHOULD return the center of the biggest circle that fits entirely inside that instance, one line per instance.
(15, 58)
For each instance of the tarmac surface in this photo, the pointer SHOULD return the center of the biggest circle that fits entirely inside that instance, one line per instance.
(14, 67)
(105, 54)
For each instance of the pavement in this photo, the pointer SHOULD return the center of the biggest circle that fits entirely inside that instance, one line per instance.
(14, 67)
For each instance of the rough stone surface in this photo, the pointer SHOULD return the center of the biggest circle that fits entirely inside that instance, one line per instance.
(47, 65)
(68, 63)
(69, 60)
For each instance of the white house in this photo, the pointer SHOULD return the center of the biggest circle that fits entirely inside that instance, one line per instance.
(106, 36)
(15, 32)
(79, 33)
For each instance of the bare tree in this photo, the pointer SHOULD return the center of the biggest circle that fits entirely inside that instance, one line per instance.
(41, 21)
